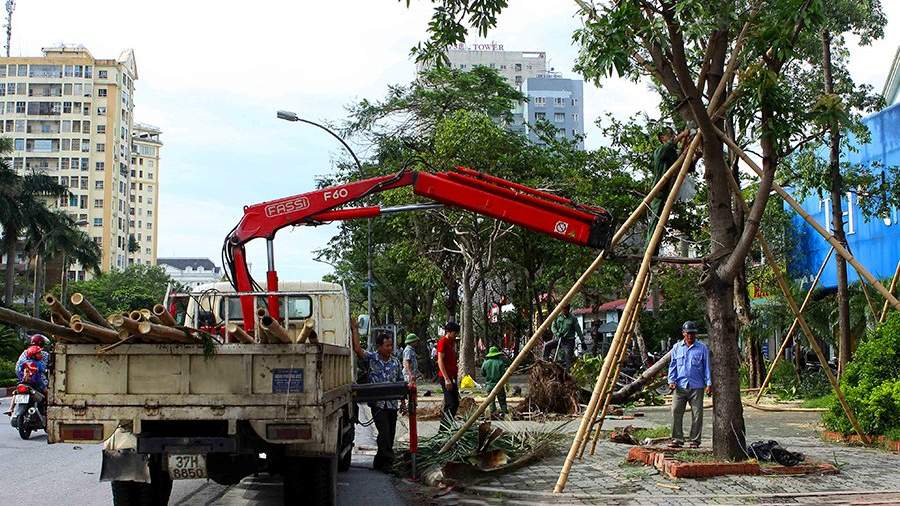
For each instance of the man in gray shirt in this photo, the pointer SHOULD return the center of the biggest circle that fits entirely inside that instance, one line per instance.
(409, 360)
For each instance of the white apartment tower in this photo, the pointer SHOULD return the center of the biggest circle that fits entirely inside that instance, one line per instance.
(70, 115)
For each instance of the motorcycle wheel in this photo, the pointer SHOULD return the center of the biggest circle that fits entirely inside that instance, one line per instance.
(24, 432)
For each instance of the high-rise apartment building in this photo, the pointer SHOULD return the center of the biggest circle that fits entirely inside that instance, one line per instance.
(144, 195)
(70, 115)
(515, 66)
(558, 101)
(550, 96)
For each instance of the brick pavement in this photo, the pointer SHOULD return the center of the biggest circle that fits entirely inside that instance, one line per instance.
(867, 475)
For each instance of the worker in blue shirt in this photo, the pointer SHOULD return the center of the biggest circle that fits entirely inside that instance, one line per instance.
(689, 378)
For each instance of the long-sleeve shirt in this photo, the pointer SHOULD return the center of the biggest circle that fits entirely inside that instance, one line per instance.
(492, 369)
(689, 366)
(566, 328)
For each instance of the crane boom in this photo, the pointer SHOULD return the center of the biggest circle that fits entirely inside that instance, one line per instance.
(461, 188)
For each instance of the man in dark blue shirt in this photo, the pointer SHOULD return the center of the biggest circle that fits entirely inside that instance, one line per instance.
(689, 378)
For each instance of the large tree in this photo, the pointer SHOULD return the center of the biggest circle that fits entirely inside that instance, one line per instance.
(683, 47)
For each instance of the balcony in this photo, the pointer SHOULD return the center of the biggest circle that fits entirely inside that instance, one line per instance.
(44, 108)
(42, 127)
(45, 90)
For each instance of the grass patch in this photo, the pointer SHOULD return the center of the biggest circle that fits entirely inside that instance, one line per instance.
(818, 402)
(694, 456)
(652, 433)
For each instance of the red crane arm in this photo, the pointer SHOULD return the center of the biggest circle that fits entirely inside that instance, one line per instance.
(462, 188)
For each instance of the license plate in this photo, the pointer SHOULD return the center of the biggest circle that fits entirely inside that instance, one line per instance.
(187, 467)
(21, 399)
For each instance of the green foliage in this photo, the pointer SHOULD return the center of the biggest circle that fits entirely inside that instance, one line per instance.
(11, 345)
(137, 286)
(7, 368)
(682, 300)
(585, 371)
(651, 433)
(871, 383)
(824, 401)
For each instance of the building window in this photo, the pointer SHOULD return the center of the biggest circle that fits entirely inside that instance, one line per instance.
(559, 102)
(98, 222)
(82, 202)
(574, 116)
(19, 144)
(102, 74)
(98, 203)
(101, 147)
(99, 166)
(98, 185)
(462, 66)
(101, 111)
(101, 129)
(540, 101)
(559, 117)
(540, 116)
(84, 182)
(101, 92)
(518, 80)
(502, 67)
(518, 67)
(85, 146)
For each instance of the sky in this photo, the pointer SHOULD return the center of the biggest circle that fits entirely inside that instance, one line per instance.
(212, 75)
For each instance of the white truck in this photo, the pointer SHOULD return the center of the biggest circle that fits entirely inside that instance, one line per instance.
(169, 412)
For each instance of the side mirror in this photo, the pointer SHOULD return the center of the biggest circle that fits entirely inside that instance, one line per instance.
(362, 322)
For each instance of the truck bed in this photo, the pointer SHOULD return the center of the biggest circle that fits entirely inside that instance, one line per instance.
(143, 384)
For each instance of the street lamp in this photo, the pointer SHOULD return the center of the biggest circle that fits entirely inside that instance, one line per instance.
(294, 117)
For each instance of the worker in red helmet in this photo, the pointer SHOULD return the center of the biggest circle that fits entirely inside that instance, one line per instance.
(39, 341)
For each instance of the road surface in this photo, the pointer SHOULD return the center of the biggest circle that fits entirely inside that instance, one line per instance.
(69, 474)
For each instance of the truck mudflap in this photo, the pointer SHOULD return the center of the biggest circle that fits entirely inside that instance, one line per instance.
(121, 461)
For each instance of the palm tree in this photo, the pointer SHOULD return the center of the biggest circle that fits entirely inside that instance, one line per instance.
(22, 207)
(58, 234)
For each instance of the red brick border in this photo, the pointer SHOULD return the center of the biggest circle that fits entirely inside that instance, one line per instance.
(879, 441)
(663, 460)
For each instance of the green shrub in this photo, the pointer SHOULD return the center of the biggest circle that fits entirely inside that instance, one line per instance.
(10, 344)
(7, 368)
(871, 383)
(585, 371)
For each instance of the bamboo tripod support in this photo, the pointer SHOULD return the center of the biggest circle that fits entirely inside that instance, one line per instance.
(633, 297)
(838, 247)
(611, 383)
(600, 405)
(798, 314)
(868, 296)
(790, 332)
(884, 309)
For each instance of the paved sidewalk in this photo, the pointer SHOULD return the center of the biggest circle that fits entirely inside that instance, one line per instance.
(867, 475)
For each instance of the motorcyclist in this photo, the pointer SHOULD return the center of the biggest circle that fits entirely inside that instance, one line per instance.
(36, 341)
(33, 372)
(40, 341)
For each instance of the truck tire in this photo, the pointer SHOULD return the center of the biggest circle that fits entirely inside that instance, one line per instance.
(346, 443)
(310, 481)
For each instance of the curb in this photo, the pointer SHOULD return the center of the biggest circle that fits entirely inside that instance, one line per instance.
(880, 441)
(548, 497)
(662, 459)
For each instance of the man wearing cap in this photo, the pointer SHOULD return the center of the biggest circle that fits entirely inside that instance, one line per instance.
(447, 371)
(689, 378)
(565, 328)
(492, 369)
(410, 362)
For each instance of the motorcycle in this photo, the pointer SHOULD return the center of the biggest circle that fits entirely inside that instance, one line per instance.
(28, 413)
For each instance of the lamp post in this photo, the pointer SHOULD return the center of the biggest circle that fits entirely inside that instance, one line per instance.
(294, 117)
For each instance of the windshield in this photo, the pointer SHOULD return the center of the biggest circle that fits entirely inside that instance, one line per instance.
(298, 307)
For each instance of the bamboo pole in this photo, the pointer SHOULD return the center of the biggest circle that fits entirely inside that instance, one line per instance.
(306, 332)
(841, 250)
(611, 382)
(274, 328)
(779, 278)
(28, 322)
(57, 307)
(136, 316)
(80, 301)
(239, 333)
(790, 332)
(150, 317)
(600, 409)
(163, 314)
(168, 333)
(103, 334)
(633, 298)
(893, 287)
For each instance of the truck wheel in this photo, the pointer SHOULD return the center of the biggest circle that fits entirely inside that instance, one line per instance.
(346, 443)
(160, 482)
(131, 493)
(24, 432)
(310, 481)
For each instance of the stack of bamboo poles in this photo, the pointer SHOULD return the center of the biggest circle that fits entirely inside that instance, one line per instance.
(270, 331)
(87, 326)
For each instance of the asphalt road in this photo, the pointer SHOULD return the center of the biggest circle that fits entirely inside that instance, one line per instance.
(69, 474)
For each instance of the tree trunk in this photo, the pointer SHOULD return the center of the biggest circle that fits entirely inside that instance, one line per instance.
(35, 288)
(467, 346)
(9, 283)
(452, 297)
(728, 414)
(628, 391)
(641, 343)
(837, 190)
(755, 363)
